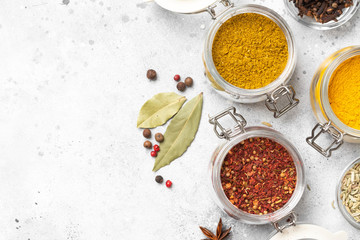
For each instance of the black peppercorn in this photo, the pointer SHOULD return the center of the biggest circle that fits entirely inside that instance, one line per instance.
(147, 144)
(151, 74)
(181, 86)
(147, 133)
(188, 81)
(159, 179)
(159, 137)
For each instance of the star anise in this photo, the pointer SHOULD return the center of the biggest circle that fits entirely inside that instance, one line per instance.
(220, 235)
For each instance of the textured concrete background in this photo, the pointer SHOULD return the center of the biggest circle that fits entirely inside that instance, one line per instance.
(72, 80)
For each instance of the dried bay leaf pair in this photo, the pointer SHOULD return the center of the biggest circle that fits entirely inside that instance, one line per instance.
(182, 128)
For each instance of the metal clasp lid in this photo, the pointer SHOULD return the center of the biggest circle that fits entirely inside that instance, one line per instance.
(291, 221)
(235, 130)
(282, 92)
(328, 128)
(211, 9)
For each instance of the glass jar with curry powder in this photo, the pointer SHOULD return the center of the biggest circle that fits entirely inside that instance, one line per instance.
(239, 139)
(335, 101)
(249, 56)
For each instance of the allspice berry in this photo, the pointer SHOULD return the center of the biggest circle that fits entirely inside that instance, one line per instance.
(147, 144)
(159, 137)
(151, 74)
(147, 133)
(159, 179)
(181, 86)
(188, 81)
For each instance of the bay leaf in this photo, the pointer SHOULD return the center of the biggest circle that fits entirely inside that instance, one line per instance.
(159, 109)
(180, 132)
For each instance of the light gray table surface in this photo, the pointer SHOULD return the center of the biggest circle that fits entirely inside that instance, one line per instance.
(72, 165)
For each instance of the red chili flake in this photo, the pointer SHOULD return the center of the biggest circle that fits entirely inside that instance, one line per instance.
(258, 176)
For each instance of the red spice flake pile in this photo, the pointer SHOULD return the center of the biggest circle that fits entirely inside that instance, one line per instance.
(258, 176)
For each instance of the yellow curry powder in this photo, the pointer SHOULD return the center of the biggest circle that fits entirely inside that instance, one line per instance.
(250, 51)
(344, 92)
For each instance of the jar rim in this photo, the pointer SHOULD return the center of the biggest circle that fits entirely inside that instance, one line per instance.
(347, 14)
(341, 206)
(228, 207)
(336, 59)
(275, 17)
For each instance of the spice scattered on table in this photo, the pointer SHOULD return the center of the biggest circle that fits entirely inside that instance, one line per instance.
(322, 11)
(159, 179)
(156, 148)
(258, 176)
(250, 51)
(147, 133)
(333, 204)
(189, 81)
(177, 77)
(153, 153)
(168, 183)
(266, 124)
(350, 192)
(159, 137)
(181, 86)
(151, 74)
(344, 91)
(220, 233)
(147, 144)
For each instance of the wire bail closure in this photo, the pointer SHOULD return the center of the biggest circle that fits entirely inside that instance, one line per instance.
(228, 133)
(328, 128)
(283, 92)
(211, 9)
(291, 222)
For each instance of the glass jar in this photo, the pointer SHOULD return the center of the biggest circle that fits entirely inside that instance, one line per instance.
(275, 92)
(341, 206)
(235, 135)
(347, 14)
(328, 123)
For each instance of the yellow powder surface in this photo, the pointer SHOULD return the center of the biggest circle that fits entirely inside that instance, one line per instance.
(344, 92)
(250, 51)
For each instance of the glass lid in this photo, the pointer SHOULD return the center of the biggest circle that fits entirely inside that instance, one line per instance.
(308, 232)
(185, 6)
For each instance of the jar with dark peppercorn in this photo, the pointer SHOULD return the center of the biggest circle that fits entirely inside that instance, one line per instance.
(342, 11)
(257, 175)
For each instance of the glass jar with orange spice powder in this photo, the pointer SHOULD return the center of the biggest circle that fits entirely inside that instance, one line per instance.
(335, 100)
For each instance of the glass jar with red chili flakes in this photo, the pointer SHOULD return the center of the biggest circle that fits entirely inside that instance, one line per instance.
(257, 175)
